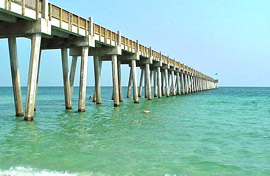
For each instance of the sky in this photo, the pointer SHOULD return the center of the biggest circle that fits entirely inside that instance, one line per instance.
(228, 37)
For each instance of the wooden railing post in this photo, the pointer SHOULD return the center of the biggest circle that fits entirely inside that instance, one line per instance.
(91, 27)
(70, 22)
(61, 18)
(78, 23)
(45, 9)
(23, 7)
(119, 38)
(37, 8)
(50, 14)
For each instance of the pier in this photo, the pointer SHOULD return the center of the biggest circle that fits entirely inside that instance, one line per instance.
(51, 27)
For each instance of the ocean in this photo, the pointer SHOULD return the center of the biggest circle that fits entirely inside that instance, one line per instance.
(225, 131)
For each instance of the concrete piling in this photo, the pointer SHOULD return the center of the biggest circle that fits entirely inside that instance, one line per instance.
(155, 83)
(159, 82)
(83, 78)
(178, 83)
(134, 78)
(14, 66)
(129, 83)
(141, 82)
(189, 83)
(37, 79)
(147, 82)
(186, 83)
(119, 81)
(192, 82)
(173, 83)
(182, 82)
(66, 78)
(162, 82)
(94, 94)
(72, 74)
(97, 92)
(115, 81)
(32, 77)
(167, 83)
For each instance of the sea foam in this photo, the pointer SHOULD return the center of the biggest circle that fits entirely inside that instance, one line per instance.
(28, 171)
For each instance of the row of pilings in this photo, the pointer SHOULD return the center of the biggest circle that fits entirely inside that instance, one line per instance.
(159, 78)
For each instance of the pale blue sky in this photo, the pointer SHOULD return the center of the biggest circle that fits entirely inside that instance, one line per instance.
(228, 37)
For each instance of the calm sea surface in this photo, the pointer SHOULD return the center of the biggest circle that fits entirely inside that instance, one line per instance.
(217, 132)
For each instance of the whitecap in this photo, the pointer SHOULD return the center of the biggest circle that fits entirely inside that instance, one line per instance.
(28, 171)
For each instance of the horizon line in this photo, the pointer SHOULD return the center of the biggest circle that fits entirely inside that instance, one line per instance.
(143, 86)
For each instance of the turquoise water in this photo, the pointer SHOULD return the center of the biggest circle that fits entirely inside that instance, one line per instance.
(218, 132)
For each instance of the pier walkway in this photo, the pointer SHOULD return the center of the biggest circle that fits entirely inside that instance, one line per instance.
(51, 27)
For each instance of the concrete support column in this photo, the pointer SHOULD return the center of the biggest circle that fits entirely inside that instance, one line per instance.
(94, 94)
(147, 82)
(134, 77)
(191, 83)
(37, 79)
(14, 66)
(83, 78)
(203, 83)
(199, 84)
(115, 81)
(201, 88)
(32, 77)
(97, 79)
(141, 82)
(186, 83)
(155, 83)
(195, 83)
(119, 81)
(169, 80)
(129, 83)
(173, 84)
(167, 83)
(162, 82)
(72, 73)
(159, 82)
(198, 80)
(66, 78)
(182, 83)
(178, 83)
(151, 76)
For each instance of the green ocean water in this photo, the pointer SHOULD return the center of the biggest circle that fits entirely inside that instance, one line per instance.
(217, 132)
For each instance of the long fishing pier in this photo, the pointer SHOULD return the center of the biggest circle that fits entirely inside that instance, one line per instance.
(51, 27)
